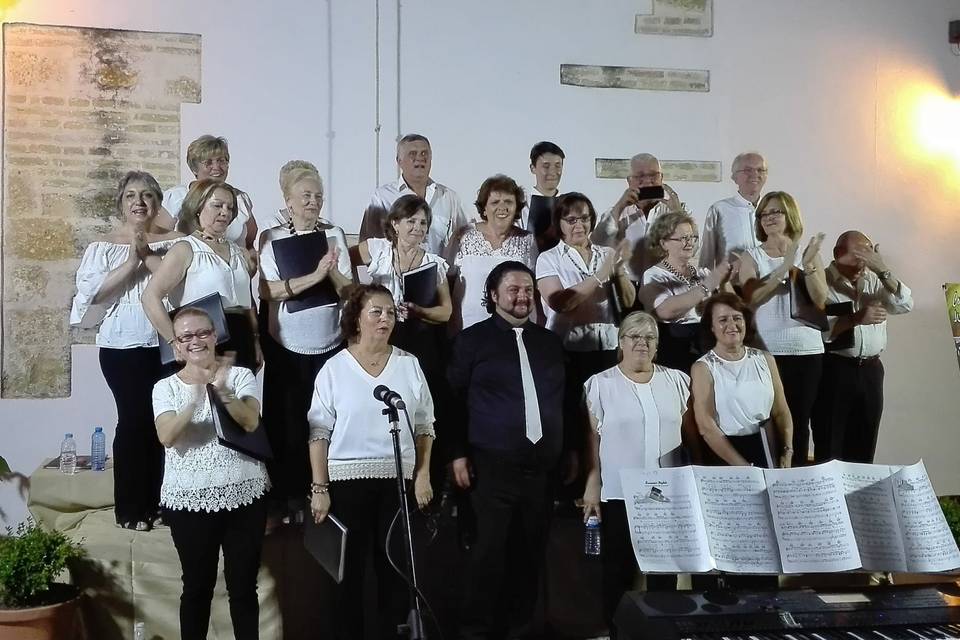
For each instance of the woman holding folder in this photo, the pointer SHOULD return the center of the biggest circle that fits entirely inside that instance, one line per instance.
(213, 496)
(304, 265)
(417, 280)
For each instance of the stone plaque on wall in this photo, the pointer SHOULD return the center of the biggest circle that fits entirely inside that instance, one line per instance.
(640, 78)
(673, 170)
(81, 107)
(677, 18)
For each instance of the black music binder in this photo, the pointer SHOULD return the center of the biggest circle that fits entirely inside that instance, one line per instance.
(299, 255)
(846, 339)
(420, 286)
(540, 214)
(327, 543)
(802, 307)
(233, 436)
(213, 305)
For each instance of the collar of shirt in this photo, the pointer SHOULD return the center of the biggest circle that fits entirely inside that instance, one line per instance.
(501, 323)
(743, 202)
(842, 284)
(402, 186)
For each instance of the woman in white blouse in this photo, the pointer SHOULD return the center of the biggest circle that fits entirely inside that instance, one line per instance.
(578, 281)
(483, 245)
(304, 339)
(765, 272)
(673, 287)
(351, 453)
(205, 262)
(209, 159)
(213, 496)
(112, 275)
(638, 420)
(737, 389)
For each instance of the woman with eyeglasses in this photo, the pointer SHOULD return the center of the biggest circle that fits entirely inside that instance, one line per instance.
(674, 287)
(639, 416)
(213, 496)
(765, 274)
(352, 456)
(302, 340)
(581, 286)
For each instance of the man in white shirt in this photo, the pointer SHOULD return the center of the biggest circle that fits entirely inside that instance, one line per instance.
(730, 227)
(630, 217)
(846, 416)
(415, 158)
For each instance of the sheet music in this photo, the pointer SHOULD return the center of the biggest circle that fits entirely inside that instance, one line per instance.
(666, 524)
(868, 490)
(737, 518)
(811, 520)
(927, 541)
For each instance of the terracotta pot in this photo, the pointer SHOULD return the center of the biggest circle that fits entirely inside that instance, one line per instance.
(50, 622)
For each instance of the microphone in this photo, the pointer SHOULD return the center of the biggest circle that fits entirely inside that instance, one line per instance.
(392, 398)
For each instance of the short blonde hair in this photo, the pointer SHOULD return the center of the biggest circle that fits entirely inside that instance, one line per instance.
(664, 227)
(792, 209)
(635, 320)
(188, 220)
(204, 147)
(291, 179)
(293, 165)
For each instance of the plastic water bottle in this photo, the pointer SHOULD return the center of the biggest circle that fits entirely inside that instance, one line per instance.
(139, 631)
(98, 450)
(591, 537)
(68, 454)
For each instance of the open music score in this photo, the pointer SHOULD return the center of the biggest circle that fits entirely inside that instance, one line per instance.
(836, 516)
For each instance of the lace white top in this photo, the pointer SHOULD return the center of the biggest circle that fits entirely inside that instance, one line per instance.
(209, 273)
(236, 232)
(344, 412)
(474, 260)
(308, 331)
(382, 270)
(123, 324)
(659, 284)
(199, 473)
(590, 326)
(781, 334)
(637, 422)
(742, 391)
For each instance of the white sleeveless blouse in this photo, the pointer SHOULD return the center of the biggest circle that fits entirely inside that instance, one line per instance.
(742, 391)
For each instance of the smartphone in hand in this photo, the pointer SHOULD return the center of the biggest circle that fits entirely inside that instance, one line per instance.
(651, 193)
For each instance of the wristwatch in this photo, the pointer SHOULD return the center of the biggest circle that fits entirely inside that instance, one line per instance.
(884, 275)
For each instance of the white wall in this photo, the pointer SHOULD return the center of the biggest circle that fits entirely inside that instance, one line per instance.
(827, 90)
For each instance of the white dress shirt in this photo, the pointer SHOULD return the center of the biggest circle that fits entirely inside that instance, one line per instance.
(605, 234)
(868, 339)
(729, 227)
(446, 211)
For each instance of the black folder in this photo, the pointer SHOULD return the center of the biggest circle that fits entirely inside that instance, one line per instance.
(420, 286)
(844, 340)
(540, 214)
(233, 436)
(802, 307)
(299, 255)
(213, 305)
(327, 543)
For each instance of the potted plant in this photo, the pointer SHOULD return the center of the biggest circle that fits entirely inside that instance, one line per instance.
(32, 604)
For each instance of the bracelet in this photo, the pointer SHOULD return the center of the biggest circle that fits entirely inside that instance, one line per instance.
(787, 450)
(706, 292)
(319, 487)
(810, 271)
(286, 286)
(884, 275)
(599, 281)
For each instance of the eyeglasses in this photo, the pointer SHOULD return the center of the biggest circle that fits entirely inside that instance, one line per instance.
(572, 220)
(758, 171)
(647, 338)
(694, 239)
(772, 213)
(186, 338)
(651, 175)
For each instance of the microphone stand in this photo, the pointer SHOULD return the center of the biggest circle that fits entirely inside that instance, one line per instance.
(413, 629)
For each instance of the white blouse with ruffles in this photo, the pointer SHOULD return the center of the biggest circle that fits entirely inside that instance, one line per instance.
(209, 273)
(123, 323)
(199, 473)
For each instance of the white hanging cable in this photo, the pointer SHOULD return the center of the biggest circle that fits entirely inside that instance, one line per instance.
(378, 125)
(330, 131)
(399, 21)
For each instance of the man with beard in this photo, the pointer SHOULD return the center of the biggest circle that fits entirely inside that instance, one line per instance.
(507, 374)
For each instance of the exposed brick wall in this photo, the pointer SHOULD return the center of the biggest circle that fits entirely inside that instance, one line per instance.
(81, 107)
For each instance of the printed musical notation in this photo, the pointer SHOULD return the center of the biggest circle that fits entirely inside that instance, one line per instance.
(873, 514)
(927, 541)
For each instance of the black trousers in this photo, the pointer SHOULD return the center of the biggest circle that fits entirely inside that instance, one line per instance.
(801, 380)
(512, 506)
(846, 416)
(288, 379)
(366, 507)
(619, 562)
(198, 537)
(137, 453)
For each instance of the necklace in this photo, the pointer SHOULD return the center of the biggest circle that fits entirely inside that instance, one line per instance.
(691, 279)
(398, 266)
(209, 238)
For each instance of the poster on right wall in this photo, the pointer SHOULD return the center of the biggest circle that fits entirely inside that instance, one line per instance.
(952, 291)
